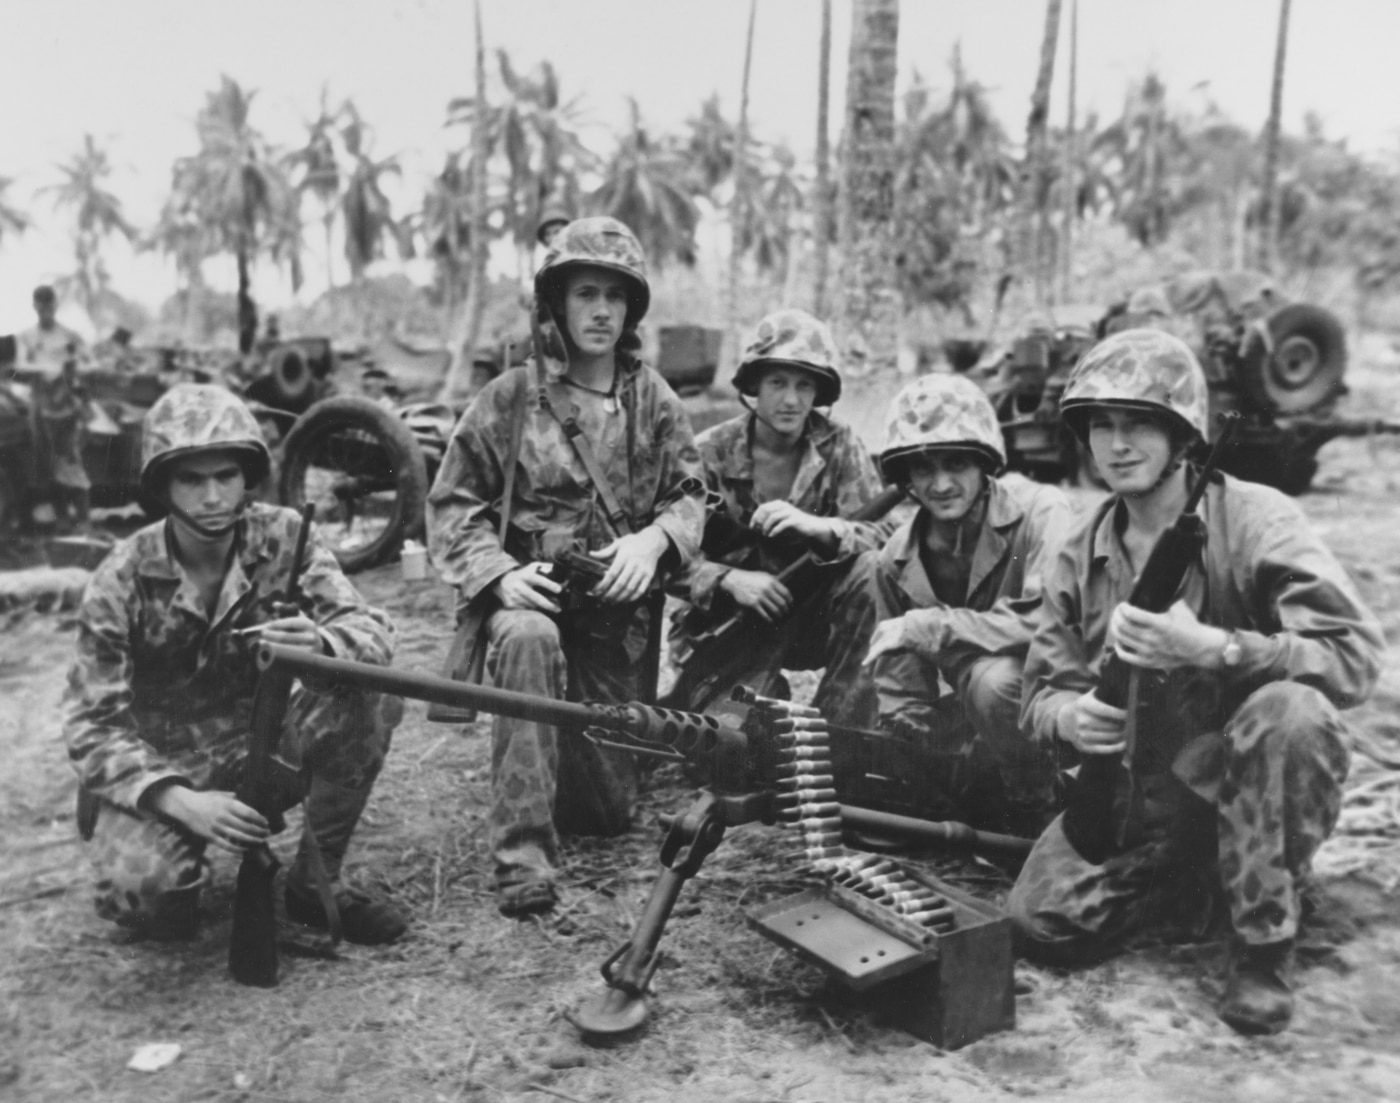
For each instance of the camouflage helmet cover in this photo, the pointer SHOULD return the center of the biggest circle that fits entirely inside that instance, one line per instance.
(941, 411)
(597, 243)
(199, 417)
(792, 338)
(1145, 369)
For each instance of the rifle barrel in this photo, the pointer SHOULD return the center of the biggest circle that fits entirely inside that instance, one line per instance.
(926, 831)
(427, 687)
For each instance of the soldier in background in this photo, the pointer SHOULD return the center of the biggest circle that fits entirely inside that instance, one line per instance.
(782, 477)
(159, 700)
(58, 411)
(552, 219)
(517, 486)
(957, 594)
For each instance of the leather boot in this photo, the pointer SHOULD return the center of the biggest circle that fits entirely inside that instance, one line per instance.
(366, 918)
(1258, 988)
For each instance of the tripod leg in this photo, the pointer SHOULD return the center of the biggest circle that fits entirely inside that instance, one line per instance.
(622, 1007)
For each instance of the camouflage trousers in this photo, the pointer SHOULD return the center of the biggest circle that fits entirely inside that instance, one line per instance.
(542, 784)
(1284, 759)
(830, 632)
(149, 869)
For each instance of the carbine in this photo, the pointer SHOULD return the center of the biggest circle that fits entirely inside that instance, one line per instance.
(1090, 824)
(252, 951)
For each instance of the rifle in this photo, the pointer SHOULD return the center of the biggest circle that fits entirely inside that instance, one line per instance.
(742, 646)
(754, 756)
(1089, 810)
(252, 950)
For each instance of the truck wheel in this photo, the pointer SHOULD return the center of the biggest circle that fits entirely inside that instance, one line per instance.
(361, 466)
(1308, 360)
(286, 381)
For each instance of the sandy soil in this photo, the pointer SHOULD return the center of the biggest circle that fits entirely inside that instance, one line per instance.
(469, 1006)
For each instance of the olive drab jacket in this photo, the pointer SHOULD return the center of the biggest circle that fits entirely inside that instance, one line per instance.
(646, 450)
(835, 477)
(1024, 525)
(1264, 573)
(156, 678)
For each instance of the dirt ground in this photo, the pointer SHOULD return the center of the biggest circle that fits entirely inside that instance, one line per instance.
(470, 1006)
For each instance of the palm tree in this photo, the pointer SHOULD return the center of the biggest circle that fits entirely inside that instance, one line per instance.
(1268, 243)
(870, 302)
(237, 188)
(534, 130)
(97, 214)
(821, 186)
(1037, 172)
(364, 208)
(739, 202)
(644, 186)
(317, 168)
(12, 219)
(1143, 150)
(710, 148)
(445, 225)
(457, 384)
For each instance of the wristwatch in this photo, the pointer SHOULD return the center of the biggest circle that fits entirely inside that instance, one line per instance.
(1231, 655)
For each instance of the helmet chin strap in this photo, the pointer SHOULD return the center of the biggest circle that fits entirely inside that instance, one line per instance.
(1178, 457)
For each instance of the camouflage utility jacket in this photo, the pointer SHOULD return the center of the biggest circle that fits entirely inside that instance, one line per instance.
(645, 449)
(156, 678)
(1264, 573)
(835, 477)
(1024, 525)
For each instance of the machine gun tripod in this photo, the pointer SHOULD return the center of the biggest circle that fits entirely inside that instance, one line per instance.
(759, 760)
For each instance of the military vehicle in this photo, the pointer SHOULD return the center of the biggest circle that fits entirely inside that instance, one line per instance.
(1280, 364)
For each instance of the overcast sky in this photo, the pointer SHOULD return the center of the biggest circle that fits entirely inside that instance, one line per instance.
(134, 73)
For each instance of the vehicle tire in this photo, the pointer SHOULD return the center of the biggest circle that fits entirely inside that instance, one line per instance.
(362, 467)
(286, 381)
(1307, 363)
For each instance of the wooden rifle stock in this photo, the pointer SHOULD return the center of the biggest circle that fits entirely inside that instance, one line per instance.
(1089, 822)
(252, 950)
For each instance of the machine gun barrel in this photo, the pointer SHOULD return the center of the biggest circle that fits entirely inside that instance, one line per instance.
(684, 733)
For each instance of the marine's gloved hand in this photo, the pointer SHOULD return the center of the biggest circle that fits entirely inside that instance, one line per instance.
(632, 561)
(219, 817)
(529, 587)
(759, 591)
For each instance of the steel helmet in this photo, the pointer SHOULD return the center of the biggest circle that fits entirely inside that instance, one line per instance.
(597, 243)
(553, 215)
(199, 417)
(1142, 369)
(795, 339)
(941, 411)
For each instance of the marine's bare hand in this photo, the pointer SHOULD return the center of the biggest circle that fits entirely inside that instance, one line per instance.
(220, 817)
(759, 591)
(632, 561)
(529, 587)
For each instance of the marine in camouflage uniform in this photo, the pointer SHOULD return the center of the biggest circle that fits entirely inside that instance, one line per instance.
(1241, 749)
(957, 593)
(161, 691)
(756, 530)
(638, 435)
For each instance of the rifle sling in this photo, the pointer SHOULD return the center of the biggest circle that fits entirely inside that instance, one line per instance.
(324, 889)
(618, 517)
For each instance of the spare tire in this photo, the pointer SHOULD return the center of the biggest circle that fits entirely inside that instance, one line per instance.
(364, 470)
(285, 382)
(1296, 362)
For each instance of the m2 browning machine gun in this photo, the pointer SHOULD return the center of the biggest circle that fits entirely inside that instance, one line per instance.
(942, 956)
